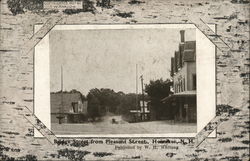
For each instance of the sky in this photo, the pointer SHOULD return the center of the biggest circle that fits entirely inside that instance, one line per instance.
(108, 58)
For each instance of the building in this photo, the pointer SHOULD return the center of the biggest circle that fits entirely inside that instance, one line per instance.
(68, 107)
(142, 114)
(183, 73)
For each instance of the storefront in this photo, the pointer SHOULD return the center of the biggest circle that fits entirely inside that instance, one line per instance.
(183, 106)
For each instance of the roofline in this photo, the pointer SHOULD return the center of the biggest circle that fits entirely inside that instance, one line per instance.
(178, 95)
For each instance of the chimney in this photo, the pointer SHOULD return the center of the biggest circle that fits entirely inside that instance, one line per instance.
(182, 32)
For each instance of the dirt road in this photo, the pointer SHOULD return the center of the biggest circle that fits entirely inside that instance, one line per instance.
(122, 127)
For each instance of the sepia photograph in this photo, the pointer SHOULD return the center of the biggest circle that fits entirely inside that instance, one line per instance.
(123, 81)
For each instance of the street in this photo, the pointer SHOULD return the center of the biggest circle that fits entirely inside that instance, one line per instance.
(122, 127)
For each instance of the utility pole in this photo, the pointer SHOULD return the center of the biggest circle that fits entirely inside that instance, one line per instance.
(143, 105)
(136, 86)
(60, 117)
(61, 78)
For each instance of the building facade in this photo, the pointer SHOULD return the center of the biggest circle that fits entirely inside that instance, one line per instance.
(142, 114)
(68, 107)
(183, 73)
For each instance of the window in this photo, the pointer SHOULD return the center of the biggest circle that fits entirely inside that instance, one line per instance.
(75, 107)
(184, 84)
(194, 81)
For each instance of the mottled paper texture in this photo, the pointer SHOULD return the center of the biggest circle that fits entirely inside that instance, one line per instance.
(17, 119)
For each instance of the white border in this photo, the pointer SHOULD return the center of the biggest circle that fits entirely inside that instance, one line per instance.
(205, 66)
(42, 82)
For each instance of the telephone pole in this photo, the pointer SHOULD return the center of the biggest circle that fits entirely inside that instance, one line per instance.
(61, 78)
(143, 105)
(136, 86)
(60, 117)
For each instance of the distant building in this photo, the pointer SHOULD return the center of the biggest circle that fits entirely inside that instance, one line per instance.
(183, 72)
(142, 114)
(70, 106)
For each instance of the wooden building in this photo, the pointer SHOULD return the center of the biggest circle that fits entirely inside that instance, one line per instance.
(68, 107)
(183, 72)
(142, 114)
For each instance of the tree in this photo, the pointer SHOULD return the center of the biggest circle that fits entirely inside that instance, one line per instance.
(128, 103)
(105, 101)
(157, 90)
(93, 104)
